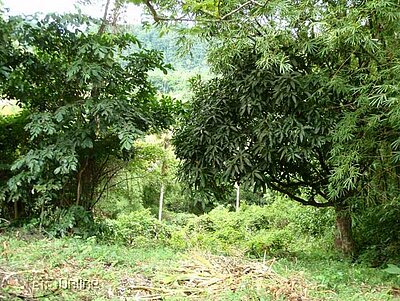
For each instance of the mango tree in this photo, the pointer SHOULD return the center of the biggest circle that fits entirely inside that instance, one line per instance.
(305, 100)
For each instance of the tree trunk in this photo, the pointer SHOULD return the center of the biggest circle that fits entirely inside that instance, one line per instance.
(344, 240)
(237, 196)
(16, 213)
(164, 170)
(160, 208)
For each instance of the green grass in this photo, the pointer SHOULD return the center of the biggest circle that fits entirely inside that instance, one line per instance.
(117, 272)
(341, 279)
(38, 258)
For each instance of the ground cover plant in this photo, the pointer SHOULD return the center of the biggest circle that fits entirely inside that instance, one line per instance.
(35, 267)
(258, 253)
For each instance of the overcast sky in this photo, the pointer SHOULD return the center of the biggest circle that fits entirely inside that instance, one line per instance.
(17, 7)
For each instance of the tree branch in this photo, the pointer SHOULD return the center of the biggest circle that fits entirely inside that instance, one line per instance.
(309, 202)
(79, 186)
(104, 20)
(158, 18)
(153, 12)
(105, 187)
(237, 9)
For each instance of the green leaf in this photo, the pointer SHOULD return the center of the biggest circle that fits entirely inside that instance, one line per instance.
(392, 269)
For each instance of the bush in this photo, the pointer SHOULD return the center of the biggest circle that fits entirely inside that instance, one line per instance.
(274, 229)
(255, 218)
(315, 222)
(376, 234)
(272, 242)
(139, 228)
(74, 220)
(178, 219)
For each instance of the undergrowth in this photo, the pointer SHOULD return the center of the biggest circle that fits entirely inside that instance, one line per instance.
(135, 249)
(33, 265)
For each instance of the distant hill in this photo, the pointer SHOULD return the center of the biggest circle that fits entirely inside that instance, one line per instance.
(186, 63)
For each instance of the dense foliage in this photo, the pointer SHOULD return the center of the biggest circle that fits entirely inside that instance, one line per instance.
(306, 102)
(88, 98)
(303, 101)
(138, 184)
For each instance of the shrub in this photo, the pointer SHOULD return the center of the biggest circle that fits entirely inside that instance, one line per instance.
(179, 239)
(201, 224)
(178, 219)
(271, 242)
(274, 229)
(376, 234)
(255, 218)
(74, 220)
(139, 228)
(62, 222)
(315, 221)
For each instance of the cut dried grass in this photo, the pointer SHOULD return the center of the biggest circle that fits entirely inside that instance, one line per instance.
(200, 276)
(206, 274)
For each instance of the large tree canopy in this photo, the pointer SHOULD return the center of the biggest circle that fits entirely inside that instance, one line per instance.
(261, 128)
(306, 101)
(88, 98)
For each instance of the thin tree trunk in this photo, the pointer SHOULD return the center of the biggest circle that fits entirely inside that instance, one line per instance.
(237, 196)
(41, 216)
(118, 6)
(344, 240)
(164, 168)
(104, 20)
(79, 180)
(160, 208)
(16, 214)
